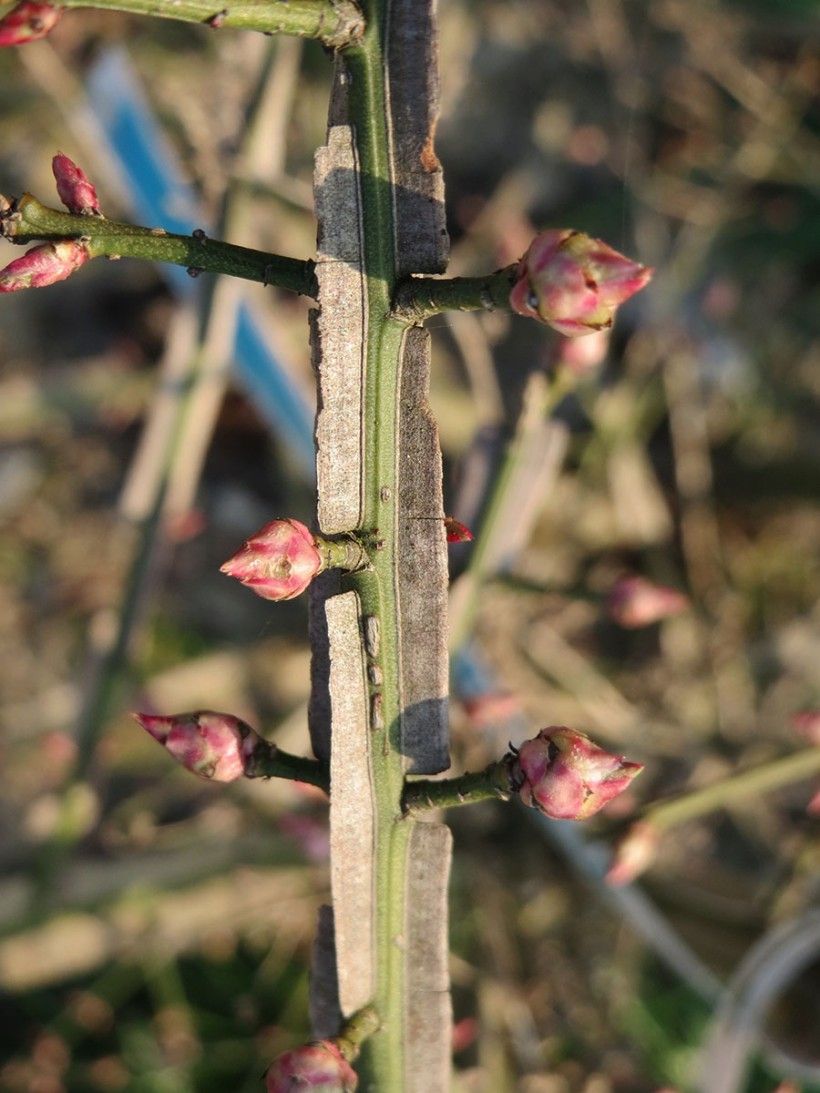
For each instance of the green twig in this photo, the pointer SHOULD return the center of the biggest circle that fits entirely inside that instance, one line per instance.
(336, 23)
(493, 782)
(417, 298)
(269, 761)
(738, 787)
(356, 1031)
(29, 221)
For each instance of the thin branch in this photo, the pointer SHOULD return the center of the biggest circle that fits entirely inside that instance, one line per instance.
(493, 782)
(272, 762)
(28, 221)
(417, 298)
(336, 23)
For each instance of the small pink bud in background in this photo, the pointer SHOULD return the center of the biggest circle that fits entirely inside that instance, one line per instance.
(807, 724)
(634, 602)
(634, 853)
(313, 1066)
(573, 282)
(214, 745)
(491, 708)
(278, 562)
(43, 265)
(74, 188)
(567, 777)
(27, 22)
(813, 807)
(456, 531)
(582, 355)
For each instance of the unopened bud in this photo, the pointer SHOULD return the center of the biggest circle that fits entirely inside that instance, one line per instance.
(44, 265)
(634, 853)
(807, 724)
(74, 188)
(567, 777)
(573, 282)
(27, 22)
(582, 356)
(278, 562)
(320, 1065)
(214, 745)
(456, 531)
(634, 602)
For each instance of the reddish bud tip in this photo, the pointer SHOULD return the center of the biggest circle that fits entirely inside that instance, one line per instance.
(27, 22)
(43, 265)
(278, 562)
(807, 724)
(74, 188)
(634, 602)
(214, 745)
(456, 531)
(573, 282)
(567, 777)
(634, 853)
(313, 1066)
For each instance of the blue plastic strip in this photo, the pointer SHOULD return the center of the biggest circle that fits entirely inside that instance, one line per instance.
(160, 196)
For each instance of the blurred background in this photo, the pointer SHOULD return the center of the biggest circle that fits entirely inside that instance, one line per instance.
(155, 930)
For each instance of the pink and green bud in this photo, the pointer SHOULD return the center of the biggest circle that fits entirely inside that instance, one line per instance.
(567, 777)
(278, 562)
(44, 265)
(573, 282)
(213, 745)
(634, 602)
(634, 853)
(27, 22)
(320, 1065)
(283, 557)
(74, 188)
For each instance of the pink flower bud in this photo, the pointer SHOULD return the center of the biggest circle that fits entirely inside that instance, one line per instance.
(313, 1066)
(567, 777)
(27, 22)
(456, 531)
(582, 355)
(278, 562)
(634, 853)
(214, 745)
(634, 602)
(74, 188)
(43, 265)
(573, 282)
(807, 724)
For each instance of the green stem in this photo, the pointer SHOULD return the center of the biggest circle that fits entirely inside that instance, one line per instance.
(269, 761)
(383, 1057)
(356, 1030)
(417, 298)
(334, 22)
(729, 791)
(493, 782)
(30, 221)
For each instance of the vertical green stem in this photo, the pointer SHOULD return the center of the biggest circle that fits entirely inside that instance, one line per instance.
(382, 1056)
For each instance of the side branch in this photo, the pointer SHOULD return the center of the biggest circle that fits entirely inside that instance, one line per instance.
(422, 794)
(417, 298)
(336, 23)
(27, 221)
(271, 762)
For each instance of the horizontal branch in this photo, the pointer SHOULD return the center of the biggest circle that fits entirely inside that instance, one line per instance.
(337, 23)
(271, 762)
(423, 794)
(29, 221)
(417, 298)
